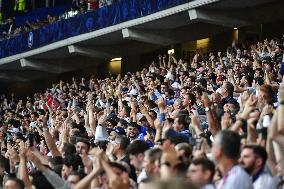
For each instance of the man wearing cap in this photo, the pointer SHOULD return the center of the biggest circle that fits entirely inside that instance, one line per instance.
(118, 131)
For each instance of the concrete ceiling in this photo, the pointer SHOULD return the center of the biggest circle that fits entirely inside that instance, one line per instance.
(178, 28)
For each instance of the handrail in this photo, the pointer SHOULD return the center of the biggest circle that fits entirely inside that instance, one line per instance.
(83, 23)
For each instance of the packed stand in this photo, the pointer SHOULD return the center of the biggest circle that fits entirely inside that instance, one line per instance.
(215, 121)
(9, 29)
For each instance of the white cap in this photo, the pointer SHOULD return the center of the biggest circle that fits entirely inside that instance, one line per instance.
(14, 130)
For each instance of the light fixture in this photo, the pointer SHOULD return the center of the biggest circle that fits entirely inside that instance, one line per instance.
(235, 28)
(171, 51)
(116, 59)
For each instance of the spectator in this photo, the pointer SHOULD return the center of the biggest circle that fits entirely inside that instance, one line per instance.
(150, 164)
(136, 153)
(14, 183)
(226, 150)
(9, 27)
(253, 159)
(201, 173)
(146, 127)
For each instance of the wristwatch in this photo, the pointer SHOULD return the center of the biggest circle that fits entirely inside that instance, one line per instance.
(207, 109)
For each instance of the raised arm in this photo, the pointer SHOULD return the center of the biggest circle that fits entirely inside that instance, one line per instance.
(144, 111)
(49, 140)
(23, 171)
(213, 123)
(280, 122)
(54, 179)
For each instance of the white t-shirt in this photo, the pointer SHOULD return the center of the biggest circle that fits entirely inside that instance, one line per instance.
(208, 186)
(265, 180)
(236, 178)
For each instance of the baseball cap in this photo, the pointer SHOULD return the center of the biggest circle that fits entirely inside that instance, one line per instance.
(120, 131)
(14, 130)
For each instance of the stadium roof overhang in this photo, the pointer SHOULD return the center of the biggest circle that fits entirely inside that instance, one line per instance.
(194, 20)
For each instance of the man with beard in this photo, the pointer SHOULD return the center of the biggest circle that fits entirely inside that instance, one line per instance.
(225, 150)
(132, 131)
(246, 84)
(252, 159)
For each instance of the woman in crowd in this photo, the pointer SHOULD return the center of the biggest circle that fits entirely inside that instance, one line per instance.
(215, 121)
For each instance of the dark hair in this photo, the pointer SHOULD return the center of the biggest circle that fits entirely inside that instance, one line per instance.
(153, 112)
(39, 181)
(164, 84)
(84, 140)
(258, 151)
(35, 114)
(191, 97)
(151, 104)
(206, 164)
(127, 109)
(183, 120)
(202, 82)
(57, 160)
(192, 78)
(261, 72)
(80, 174)
(4, 163)
(137, 147)
(20, 184)
(118, 166)
(73, 160)
(69, 149)
(123, 141)
(153, 154)
(249, 79)
(187, 148)
(230, 142)
(102, 144)
(259, 80)
(229, 87)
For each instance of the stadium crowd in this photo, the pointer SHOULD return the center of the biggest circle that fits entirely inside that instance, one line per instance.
(9, 28)
(211, 122)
